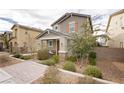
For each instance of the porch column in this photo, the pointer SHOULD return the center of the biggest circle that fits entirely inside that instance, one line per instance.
(56, 46)
(63, 49)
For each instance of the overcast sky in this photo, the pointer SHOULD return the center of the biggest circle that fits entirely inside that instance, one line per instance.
(43, 18)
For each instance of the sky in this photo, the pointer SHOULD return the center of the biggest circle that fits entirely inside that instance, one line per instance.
(44, 18)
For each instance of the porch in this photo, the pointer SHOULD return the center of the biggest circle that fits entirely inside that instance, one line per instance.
(55, 42)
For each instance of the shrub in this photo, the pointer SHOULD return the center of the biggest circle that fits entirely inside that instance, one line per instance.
(71, 58)
(92, 58)
(17, 55)
(42, 54)
(93, 71)
(55, 58)
(48, 62)
(92, 61)
(50, 76)
(26, 57)
(92, 54)
(69, 66)
(86, 80)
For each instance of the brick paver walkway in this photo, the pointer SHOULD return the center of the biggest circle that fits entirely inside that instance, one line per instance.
(25, 72)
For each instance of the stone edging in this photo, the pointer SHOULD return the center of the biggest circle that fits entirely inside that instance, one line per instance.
(81, 75)
(17, 58)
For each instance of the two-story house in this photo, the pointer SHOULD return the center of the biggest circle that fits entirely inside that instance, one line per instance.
(24, 38)
(5, 38)
(1, 42)
(115, 30)
(58, 38)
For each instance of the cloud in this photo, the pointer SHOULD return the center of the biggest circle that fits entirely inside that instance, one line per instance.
(43, 18)
(8, 20)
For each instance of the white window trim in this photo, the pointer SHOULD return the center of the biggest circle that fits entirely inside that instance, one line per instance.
(73, 22)
(49, 44)
(55, 27)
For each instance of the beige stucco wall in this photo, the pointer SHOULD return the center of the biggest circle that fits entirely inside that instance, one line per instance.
(28, 38)
(115, 32)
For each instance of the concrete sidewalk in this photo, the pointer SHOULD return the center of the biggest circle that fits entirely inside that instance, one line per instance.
(25, 72)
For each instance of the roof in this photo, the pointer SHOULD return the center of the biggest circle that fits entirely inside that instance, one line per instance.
(67, 15)
(27, 27)
(112, 15)
(52, 31)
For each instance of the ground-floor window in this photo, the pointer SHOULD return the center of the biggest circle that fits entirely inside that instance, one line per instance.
(50, 43)
(121, 44)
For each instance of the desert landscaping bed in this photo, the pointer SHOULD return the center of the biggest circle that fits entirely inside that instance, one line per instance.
(6, 60)
(112, 71)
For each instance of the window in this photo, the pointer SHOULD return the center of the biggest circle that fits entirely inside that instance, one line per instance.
(121, 17)
(26, 32)
(121, 21)
(50, 43)
(116, 22)
(56, 27)
(15, 32)
(72, 26)
(121, 44)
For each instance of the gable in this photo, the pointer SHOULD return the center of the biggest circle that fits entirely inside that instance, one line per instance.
(50, 35)
(26, 28)
(68, 15)
(114, 15)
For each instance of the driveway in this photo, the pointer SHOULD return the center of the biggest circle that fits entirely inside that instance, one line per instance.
(25, 72)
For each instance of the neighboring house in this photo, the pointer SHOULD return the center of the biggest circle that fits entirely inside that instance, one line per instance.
(115, 30)
(23, 38)
(57, 39)
(1, 42)
(5, 37)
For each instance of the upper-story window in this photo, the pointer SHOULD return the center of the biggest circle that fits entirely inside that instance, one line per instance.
(26, 32)
(15, 32)
(56, 27)
(121, 21)
(116, 22)
(72, 27)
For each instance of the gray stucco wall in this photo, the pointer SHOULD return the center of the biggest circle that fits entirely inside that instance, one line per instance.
(63, 25)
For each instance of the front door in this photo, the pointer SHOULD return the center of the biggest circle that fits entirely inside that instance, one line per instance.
(1, 46)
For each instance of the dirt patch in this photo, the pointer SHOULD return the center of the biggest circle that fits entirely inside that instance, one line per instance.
(111, 71)
(11, 61)
(119, 65)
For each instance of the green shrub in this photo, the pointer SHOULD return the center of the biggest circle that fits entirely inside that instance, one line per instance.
(92, 54)
(26, 57)
(17, 55)
(48, 62)
(92, 58)
(42, 54)
(69, 66)
(55, 58)
(92, 61)
(93, 71)
(71, 58)
(50, 76)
